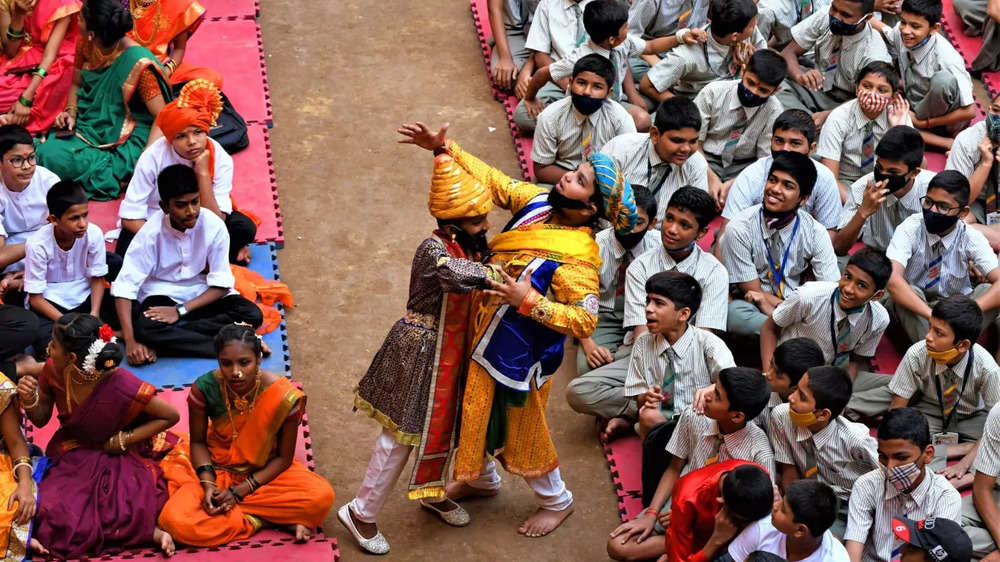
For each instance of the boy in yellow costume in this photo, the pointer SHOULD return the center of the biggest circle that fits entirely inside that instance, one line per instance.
(547, 248)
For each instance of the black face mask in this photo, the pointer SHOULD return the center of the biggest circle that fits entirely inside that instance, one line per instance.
(894, 182)
(559, 201)
(630, 240)
(749, 98)
(841, 27)
(473, 245)
(937, 223)
(586, 104)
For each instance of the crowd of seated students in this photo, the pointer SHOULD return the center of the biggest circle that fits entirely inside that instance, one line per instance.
(88, 111)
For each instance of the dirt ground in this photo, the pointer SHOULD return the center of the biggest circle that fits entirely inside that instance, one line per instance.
(343, 76)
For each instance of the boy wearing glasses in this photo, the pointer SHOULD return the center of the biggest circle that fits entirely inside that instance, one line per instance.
(936, 255)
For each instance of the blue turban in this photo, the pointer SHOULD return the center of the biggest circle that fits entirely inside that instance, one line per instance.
(619, 202)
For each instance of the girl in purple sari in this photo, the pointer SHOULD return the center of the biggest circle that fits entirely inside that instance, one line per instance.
(104, 488)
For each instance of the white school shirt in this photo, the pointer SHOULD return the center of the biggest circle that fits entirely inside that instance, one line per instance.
(748, 190)
(517, 14)
(745, 247)
(63, 276)
(641, 165)
(701, 265)
(918, 372)
(24, 212)
(988, 458)
(557, 27)
(142, 198)
(761, 535)
(844, 450)
(696, 436)
(778, 17)
(874, 502)
(856, 51)
(806, 314)
(878, 228)
(564, 136)
(686, 69)
(721, 110)
(162, 260)
(619, 55)
(697, 357)
(612, 253)
(918, 66)
(964, 155)
(911, 246)
(843, 135)
(650, 19)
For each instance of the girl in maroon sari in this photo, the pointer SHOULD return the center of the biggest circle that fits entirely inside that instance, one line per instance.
(104, 488)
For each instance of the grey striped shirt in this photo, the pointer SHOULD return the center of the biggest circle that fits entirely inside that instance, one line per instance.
(612, 253)
(878, 228)
(658, 18)
(988, 457)
(699, 264)
(917, 372)
(721, 112)
(842, 138)
(965, 156)
(856, 51)
(557, 27)
(918, 66)
(563, 135)
(686, 69)
(696, 436)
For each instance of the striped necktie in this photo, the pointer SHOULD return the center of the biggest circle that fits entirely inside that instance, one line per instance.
(843, 355)
(949, 397)
(581, 33)
(991, 188)
(687, 8)
(587, 137)
(667, 387)
(934, 267)
(809, 447)
(805, 9)
(736, 132)
(868, 149)
(717, 444)
(831, 68)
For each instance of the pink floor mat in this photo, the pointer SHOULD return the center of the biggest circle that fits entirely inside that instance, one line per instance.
(966, 46)
(625, 464)
(232, 9)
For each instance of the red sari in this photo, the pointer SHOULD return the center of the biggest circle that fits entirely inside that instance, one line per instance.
(15, 73)
(155, 26)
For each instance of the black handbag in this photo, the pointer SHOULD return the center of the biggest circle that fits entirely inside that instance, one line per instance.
(230, 130)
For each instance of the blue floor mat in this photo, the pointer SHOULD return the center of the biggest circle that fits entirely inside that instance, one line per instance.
(170, 372)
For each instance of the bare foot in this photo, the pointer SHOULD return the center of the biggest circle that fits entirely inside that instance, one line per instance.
(164, 541)
(367, 530)
(543, 522)
(460, 490)
(36, 547)
(243, 256)
(616, 427)
(303, 533)
(265, 349)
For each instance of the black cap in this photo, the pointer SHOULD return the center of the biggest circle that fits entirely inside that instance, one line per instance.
(942, 539)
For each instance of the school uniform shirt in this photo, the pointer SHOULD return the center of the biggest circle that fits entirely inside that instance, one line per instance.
(761, 535)
(988, 458)
(162, 260)
(965, 156)
(811, 313)
(763, 421)
(875, 501)
(697, 439)
(746, 247)
(619, 55)
(565, 137)
(701, 265)
(844, 450)
(650, 19)
(748, 190)
(517, 14)
(142, 198)
(878, 228)
(686, 69)
(912, 247)
(839, 58)
(612, 254)
(917, 66)
(24, 212)
(694, 362)
(918, 372)
(731, 131)
(843, 137)
(778, 17)
(63, 276)
(641, 165)
(557, 27)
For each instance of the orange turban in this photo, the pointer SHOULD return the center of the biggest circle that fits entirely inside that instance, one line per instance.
(454, 193)
(199, 104)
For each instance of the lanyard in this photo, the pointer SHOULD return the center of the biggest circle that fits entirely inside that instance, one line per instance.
(704, 51)
(833, 325)
(649, 174)
(777, 273)
(965, 380)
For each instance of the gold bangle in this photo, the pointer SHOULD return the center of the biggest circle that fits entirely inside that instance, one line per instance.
(38, 398)
(71, 108)
(212, 482)
(16, 465)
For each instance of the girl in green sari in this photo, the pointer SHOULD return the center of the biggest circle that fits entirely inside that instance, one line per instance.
(118, 88)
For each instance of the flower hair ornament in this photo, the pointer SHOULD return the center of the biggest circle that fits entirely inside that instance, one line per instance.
(259, 337)
(104, 336)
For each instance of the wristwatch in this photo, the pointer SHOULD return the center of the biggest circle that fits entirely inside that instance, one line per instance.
(182, 310)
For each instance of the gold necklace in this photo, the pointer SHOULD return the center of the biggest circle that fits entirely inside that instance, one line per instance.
(240, 403)
(138, 8)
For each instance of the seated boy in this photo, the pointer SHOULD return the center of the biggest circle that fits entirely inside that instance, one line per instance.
(556, 29)
(931, 254)
(722, 433)
(790, 360)
(981, 510)
(570, 129)
(797, 529)
(795, 131)
(932, 540)
(973, 154)
(852, 130)
(811, 438)
(842, 43)
(904, 485)
(777, 18)
(768, 248)
(511, 63)
(938, 87)
(729, 41)
(651, 19)
(737, 116)
(668, 157)
(185, 141)
(23, 208)
(617, 252)
(880, 201)
(65, 263)
(175, 289)
(953, 381)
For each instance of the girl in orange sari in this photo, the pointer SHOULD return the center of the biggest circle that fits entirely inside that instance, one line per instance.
(164, 27)
(240, 471)
(36, 66)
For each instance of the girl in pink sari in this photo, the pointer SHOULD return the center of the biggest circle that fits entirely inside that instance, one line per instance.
(36, 66)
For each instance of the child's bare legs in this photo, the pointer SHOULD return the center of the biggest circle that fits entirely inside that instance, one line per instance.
(649, 417)
(640, 116)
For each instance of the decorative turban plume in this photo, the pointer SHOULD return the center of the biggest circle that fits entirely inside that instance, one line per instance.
(618, 200)
(199, 104)
(454, 193)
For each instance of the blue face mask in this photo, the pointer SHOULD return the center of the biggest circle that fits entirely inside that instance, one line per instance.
(841, 27)
(922, 43)
(586, 104)
(993, 126)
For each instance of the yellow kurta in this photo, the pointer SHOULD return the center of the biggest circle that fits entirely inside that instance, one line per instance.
(528, 449)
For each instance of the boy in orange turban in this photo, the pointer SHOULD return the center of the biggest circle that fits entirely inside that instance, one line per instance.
(412, 385)
(186, 122)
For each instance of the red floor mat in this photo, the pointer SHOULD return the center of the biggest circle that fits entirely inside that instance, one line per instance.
(935, 161)
(625, 464)
(233, 9)
(992, 82)
(966, 46)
